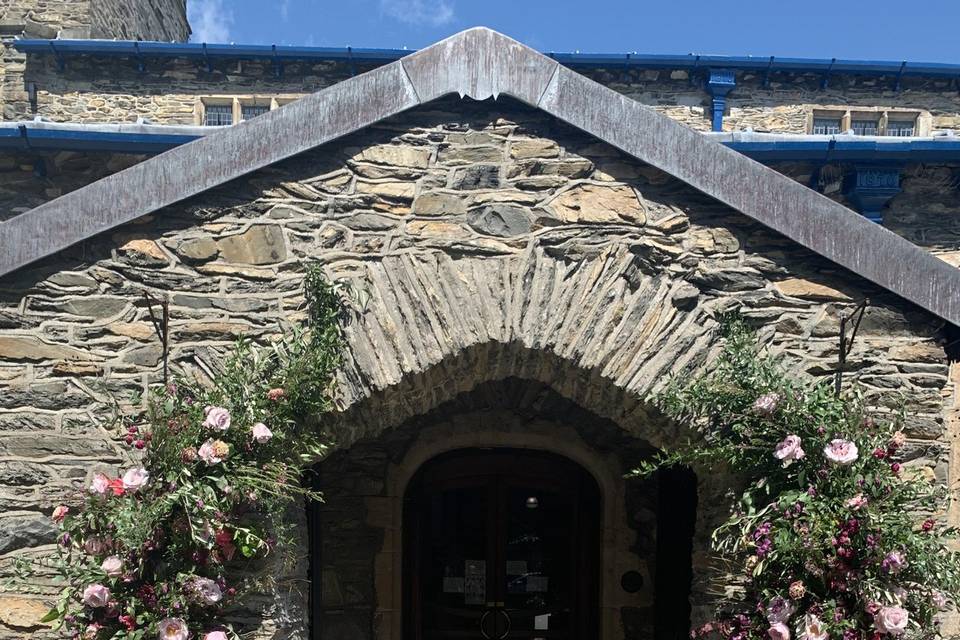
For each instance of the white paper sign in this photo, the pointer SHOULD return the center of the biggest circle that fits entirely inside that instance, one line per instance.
(541, 623)
(474, 581)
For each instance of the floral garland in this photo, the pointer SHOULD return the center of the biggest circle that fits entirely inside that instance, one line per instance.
(160, 551)
(832, 537)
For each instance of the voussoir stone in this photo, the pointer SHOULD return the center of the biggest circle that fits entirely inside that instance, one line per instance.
(260, 244)
(592, 203)
(32, 349)
(500, 220)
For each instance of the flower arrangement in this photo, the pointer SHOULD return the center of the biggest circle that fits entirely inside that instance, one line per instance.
(159, 551)
(832, 537)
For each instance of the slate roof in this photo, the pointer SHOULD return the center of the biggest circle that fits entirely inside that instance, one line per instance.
(480, 63)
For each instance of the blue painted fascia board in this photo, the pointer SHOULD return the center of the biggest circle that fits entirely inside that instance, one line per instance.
(203, 51)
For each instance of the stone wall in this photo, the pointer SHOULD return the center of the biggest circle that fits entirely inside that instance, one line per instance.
(168, 92)
(491, 243)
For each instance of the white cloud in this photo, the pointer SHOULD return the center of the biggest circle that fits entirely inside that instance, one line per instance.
(284, 9)
(210, 20)
(432, 13)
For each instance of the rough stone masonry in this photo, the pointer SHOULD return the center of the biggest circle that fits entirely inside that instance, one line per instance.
(491, 243)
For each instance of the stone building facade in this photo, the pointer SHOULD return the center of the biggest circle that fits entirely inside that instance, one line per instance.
(529, 281)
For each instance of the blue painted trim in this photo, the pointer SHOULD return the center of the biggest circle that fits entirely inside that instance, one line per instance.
(25, 137)
(763, 65)
(719, 84)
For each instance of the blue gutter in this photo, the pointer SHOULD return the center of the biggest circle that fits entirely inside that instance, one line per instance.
(28, 136)
(283, 53)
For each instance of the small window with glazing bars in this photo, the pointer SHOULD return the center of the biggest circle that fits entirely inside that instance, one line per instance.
(218, 115)
(826, 126)
(250, 111)
(865, 126)
(901, 128)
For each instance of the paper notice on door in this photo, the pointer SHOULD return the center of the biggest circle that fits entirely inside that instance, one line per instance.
(453, 585)
(474, 581)
(537, 584)
(541, 623)
(516, 567)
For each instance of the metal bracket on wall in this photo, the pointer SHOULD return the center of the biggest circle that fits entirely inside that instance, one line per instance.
(766, 74)
(161, 325)
(206, 59)
(141, 63)
(825, 82)
(896, 85)
(277, 64)
(847, 345)
(61, 63)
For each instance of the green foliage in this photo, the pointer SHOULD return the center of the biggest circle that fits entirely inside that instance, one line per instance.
(222, 463)
(823, 540)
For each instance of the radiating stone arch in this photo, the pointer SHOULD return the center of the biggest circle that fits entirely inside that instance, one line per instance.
(599, 328)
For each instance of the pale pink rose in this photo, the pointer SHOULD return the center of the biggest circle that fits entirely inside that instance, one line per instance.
(276, 394)
(767, 404)
(892, 620)
(813, 629)
(217, 418)
(789, 450)
(779, 610)
(778, 631)
(112, 566)
(96, 596)
(213, 451)
(60, 513)
(90, 633)
(842, 452)
(99, 484)
(215, 635)
(173, 629)
(261, 433)
(135, 478)
(856, 501)
(205, 590)
(939, 601)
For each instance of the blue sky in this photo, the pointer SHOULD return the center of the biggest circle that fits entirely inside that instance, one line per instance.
(865, 29)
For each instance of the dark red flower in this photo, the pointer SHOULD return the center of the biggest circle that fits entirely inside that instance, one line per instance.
(928, 524)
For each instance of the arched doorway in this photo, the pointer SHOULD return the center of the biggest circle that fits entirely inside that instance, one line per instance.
(501, 544)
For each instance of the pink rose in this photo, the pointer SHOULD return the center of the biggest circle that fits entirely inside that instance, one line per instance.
(892, 620)
(99, 484)
(789, 450)
(841, 452)
(813, 629)
(205, 590)
(60, 513)
(135, 478)
(897, 440)
(261, 433)
(856, 501)
(779, 610)
(213, 451)
(217, 418)
(894, 562)
(767, 404)
(939, 601)
(96, 596)
(112, 566)
(90, 633)
(173, 629)
(778, 631)
(215, 635)
(276, 394)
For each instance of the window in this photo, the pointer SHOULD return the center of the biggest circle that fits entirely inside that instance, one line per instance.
(826, 126)
(901, 128)
(218, 115)
(250, 111)
(865, 126)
